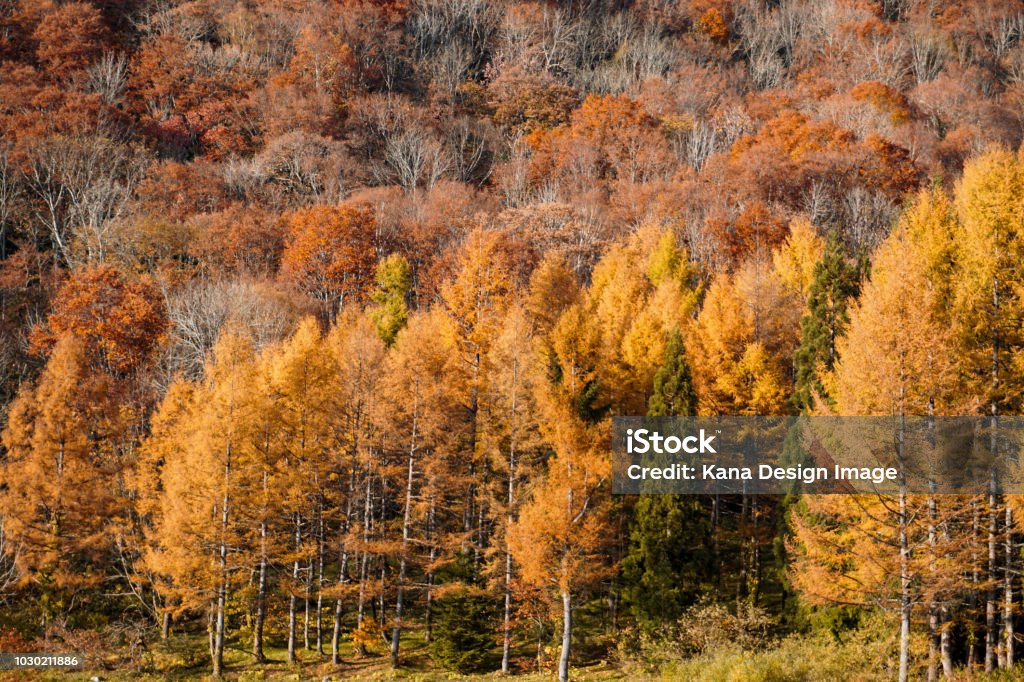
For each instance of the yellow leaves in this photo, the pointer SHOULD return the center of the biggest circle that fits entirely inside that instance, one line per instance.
(575, 343)
(835, 557)
(478, 297)
(713, 25)
(989, 286)
(617, 291)
(252, 440)
(898, 355)
(422, 396)
(559, 536)
(358, 354)
(795, 259)
(369, 634)
(664, 260)
(759, 383)
(643, 345)
(990, 206)
(988, 198)
(62, 440)
(639, 293)
(845, 548)
(301, 372)
(930, 225)
(742, 343)
(553, 288)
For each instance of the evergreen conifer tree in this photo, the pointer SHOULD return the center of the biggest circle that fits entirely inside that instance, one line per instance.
(673, 386)
(836, 283)
(667, 562)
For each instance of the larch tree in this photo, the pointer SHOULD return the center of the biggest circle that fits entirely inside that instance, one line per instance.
(475, 302)
(668, 308)
(742, 343)
(420, 413)
(302, 381)
(797, 257)
(269, 492)
(898, 359)
(145, 480)
(560, 535)
(63, 461)
(741, 346)
(613, 304)
(553, 288)
(559, 539)
(633, 311)
(392, 285)
(359, 356)
(989, 302)
(208, 481)
(513, 442)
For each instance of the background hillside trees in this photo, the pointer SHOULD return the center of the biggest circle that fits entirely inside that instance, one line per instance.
(313, 318)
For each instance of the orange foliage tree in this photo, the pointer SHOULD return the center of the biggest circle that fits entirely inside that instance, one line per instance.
(330, 253)
(120, 322)
(62, 456)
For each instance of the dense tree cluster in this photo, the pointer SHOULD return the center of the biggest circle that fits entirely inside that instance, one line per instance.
(314, 314)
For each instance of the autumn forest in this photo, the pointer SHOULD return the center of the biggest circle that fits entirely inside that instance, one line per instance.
(315, 314)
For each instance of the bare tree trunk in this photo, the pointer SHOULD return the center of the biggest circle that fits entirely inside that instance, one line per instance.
(343, 566)
(506, 635)
(933, 643)
(933, 610)
(222, 554)
(429, 607)
(906, 603)
(165, 627)
(396, 629)
(320, 589)
(990, 601)
(336, 632)
(382, 593)
(990, 605)
(364, 566)
(261, 596)
(540, 645)
(305, 600)
(974, 653)
(292, 599)
(946, 645)
(218, 634)
(563, 659)
(506, 645)
(1008, 587)
(211, 618)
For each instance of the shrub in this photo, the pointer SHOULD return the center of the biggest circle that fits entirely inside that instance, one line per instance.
(710, 626)
(464, 632)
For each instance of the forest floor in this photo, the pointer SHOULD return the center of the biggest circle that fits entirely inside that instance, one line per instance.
(177, 660)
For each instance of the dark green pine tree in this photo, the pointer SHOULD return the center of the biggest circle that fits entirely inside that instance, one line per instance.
(836, 283)
(673, 386)
(668, 563)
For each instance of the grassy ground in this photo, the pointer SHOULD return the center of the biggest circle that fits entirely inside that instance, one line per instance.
(185, 658)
